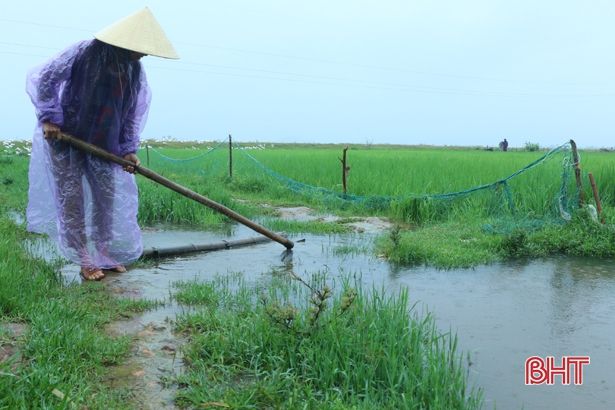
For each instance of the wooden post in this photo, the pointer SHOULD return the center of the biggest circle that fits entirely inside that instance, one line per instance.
(230, 156)
(99, 152)
(592, 181)
(147, 151)
(345, 170)
(577, 173)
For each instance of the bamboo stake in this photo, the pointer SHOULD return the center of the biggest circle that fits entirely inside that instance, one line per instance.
(93, 149)
(147, 151)
(577, 173)
(592, 181)
(345, 170)
(230, 156)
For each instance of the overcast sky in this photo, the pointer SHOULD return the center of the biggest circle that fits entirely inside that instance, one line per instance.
(467, 72)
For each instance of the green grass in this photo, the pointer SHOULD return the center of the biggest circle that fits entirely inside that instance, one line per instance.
(317, 227)
(262, 348)
(447, 245)
(581, 237)
(65, 347)
(352, 250)
(463, 245)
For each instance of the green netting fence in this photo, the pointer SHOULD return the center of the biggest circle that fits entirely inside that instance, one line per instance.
(499, 201)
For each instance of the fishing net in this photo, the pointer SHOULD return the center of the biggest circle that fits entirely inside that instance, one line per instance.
(541, 192)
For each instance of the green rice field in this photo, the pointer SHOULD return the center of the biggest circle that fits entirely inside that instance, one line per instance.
(402, 173)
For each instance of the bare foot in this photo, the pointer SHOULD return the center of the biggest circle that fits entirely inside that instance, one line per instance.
(89, 274)
(118, 269)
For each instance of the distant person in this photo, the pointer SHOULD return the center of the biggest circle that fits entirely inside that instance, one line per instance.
(97, 91)
(504, 145)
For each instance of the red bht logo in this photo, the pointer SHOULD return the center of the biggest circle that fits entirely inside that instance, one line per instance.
(539, 370)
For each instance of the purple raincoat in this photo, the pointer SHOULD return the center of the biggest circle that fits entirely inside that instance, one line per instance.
(95, 92)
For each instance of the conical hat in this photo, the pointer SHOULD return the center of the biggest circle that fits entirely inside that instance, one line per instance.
(139, 32)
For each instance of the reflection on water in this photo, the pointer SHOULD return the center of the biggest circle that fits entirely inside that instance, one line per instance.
(505, 313)
(502, 313)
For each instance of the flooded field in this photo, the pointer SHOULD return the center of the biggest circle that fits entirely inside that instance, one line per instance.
(502, 313)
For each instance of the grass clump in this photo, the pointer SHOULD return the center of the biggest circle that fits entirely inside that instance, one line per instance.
(455, 245)
(582, 236)
(531, 146)
(352, 250)
(317, 227)
(295, 344)
(447, 245)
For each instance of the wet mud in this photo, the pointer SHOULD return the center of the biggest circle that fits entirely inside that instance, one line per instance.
(11, 335)
(155, 359)
(369, 224)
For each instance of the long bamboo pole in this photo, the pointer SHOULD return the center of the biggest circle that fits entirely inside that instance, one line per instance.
(181, 250)
(99, 152)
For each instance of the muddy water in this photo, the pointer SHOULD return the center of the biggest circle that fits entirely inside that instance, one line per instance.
(155, 358)
(502, 313)
(505, 313)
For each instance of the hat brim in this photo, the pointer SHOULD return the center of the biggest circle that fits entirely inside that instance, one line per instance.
(139, 32)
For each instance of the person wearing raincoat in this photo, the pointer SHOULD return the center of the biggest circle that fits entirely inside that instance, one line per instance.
(96, 90)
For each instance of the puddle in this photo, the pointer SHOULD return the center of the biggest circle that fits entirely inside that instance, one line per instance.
(370, 224)
(502, 313)
(17, 217)
(155, 358)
